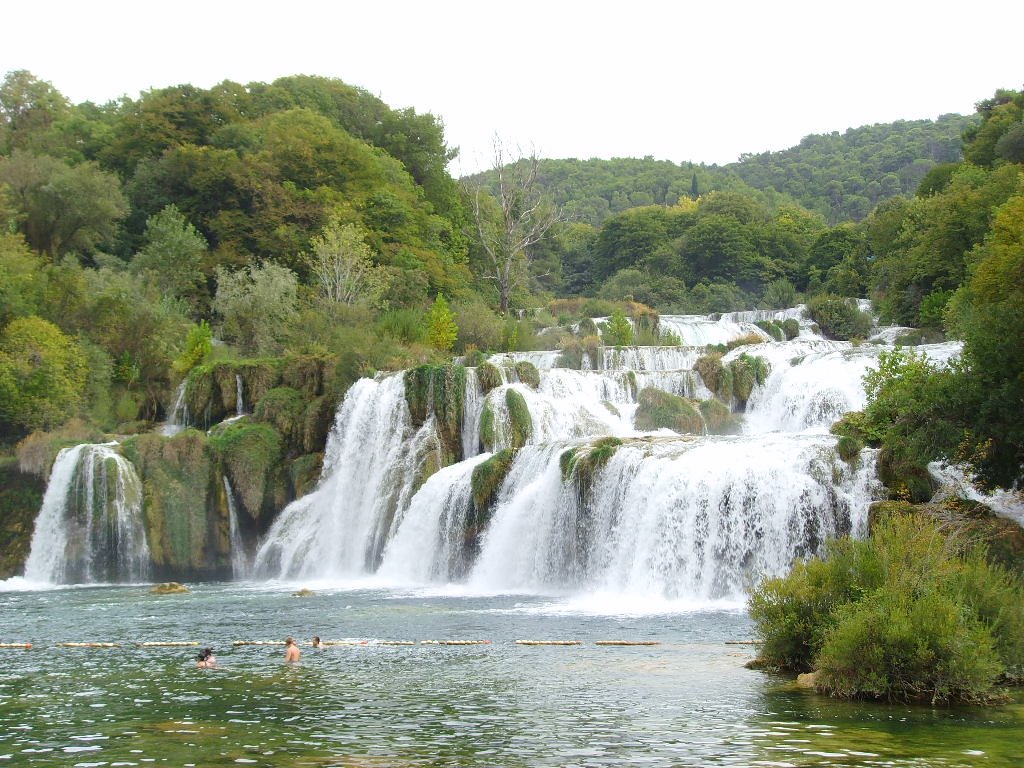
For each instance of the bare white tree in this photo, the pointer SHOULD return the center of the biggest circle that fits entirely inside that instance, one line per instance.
(516, 215)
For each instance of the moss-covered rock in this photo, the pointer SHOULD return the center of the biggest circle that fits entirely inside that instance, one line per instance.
(520, 421)
(306, 373)
(791, 327)
(21, 496)
(249, 454)
(528, 373)
(439, 390)
(848, 448)
(284, 408)
(772, 328)
(657, 409)
(317, 420)
(485, 482)
(718, 418)
(186, 528)
(488, 376)
(487, 434)
(169, 588)
(715, 376)
(304, 472)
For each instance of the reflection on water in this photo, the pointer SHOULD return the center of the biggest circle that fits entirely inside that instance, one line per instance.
(688, 701)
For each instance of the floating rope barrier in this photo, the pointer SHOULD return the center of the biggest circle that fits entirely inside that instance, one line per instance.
(344, 642)
(169, 643)
(89, 645)
(257, 642)
(549, 642)
(16, 645)
(397, 642)
(627, 642)
(743, 642)
(455, 642)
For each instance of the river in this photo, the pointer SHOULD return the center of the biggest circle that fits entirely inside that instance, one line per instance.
(687, 701)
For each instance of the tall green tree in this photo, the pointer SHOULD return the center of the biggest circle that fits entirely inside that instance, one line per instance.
(172, 256)
(442, 330)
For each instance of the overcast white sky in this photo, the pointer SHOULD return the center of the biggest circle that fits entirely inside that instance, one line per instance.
(676, 80)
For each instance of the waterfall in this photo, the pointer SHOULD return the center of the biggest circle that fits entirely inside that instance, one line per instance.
(90, 528)
(177, 414)
(239, 399)
(239, 561)
(371, 463)
(658, 515)
(472, 409)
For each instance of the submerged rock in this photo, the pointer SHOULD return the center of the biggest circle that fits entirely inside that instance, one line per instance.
(169, 588)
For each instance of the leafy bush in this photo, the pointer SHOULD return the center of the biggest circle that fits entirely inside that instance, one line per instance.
(528, 373)
(791, 328)
(839, 318)
(909, 614)
(663, 410)
(617, 332)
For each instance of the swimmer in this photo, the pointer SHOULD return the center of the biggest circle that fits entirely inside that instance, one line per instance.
(291, 650)
(206, 659)
(317, 643)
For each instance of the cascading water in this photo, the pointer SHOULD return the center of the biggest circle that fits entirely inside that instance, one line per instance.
(177, 414)
(660, 515)
(89, 528)
(239, 562)
(239, 398)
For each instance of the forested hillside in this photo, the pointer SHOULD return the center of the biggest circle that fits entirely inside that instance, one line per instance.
(843, 176)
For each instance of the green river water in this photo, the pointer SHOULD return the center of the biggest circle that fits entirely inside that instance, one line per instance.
(685, 702)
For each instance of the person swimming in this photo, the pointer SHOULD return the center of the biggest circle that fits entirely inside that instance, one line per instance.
(291, 650)
(317, 643)
(206, 659)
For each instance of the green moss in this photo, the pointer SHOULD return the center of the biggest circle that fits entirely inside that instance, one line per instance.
(856, 425)
(520, 422)
(791, 327)
(488, 477)
(474, 359)
(199, 399)
(21, 496)
(179, 486)
(610, 407)
(249, 453)
(304, 472)
(489, 377)
(283, 408)
(663, 410)
(487, 427)
(718, 419)
(528, 373)
(715, 376)
(305, 373)
(439, 390)
(317, 419)
(848, 448)
(905, 480)
(772, 328)
(567, 463)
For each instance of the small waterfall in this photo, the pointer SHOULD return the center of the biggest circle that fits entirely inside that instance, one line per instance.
(371, 465)
(472, 409)
(239, 562)
(177, 414)
(428, 545)
(239, 399)
(89, 528)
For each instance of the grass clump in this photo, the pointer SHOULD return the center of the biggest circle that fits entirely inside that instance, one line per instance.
(911, 614)
(718, 419)
(489, 377)
(839, 318)
(772, 328)
(791, 328)
(662, 410)
(528, 374)
(520, 421)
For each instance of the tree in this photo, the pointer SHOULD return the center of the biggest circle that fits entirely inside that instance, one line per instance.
(441, 328)
(66, 208)
(172, 255)
(28, 107)
(617, 331)
(508, 222)
(342, 264)
(257, 305)
(42, 374)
